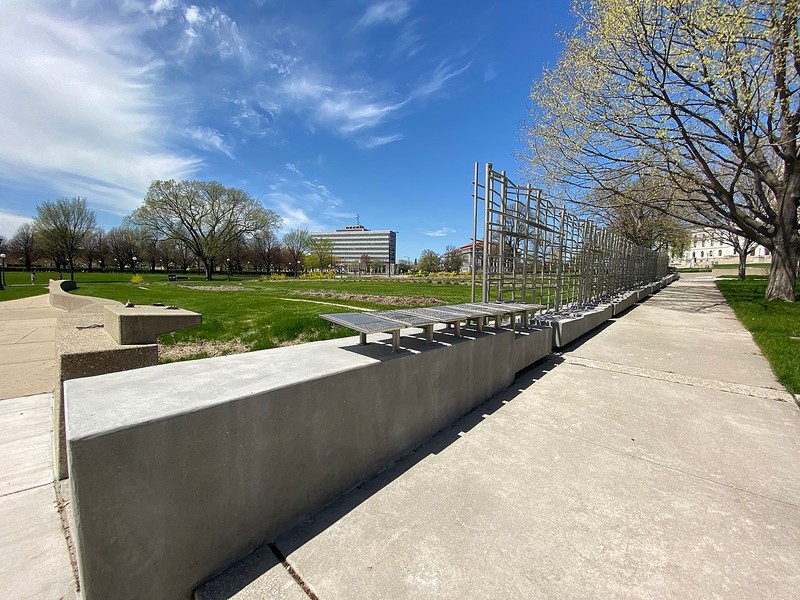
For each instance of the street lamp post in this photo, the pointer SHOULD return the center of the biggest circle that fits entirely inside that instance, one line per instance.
(228, 260)
(2, 271)
(133, 260)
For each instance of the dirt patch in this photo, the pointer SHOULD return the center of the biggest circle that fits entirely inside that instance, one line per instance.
(185, 350)
(216, 288)
(387, 300)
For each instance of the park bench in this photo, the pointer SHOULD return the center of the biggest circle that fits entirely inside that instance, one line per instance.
(392, 321)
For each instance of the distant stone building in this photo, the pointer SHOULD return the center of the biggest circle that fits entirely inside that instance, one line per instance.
(355, 241)
(711, 246)
(466, 254)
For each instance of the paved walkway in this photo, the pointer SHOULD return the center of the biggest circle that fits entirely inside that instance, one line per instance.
(656, 459)
(35, 561)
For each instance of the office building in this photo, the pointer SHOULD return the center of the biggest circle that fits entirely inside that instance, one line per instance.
(356, 241)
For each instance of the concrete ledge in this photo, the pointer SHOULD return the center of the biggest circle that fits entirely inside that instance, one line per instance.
(642, 293)
(179, 470)
(623, 303)
(61, 298)
(531, 345)
(143, 324)
(566, 328)
(597, 316)
(84, 349)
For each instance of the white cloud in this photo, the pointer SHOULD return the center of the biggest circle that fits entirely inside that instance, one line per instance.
(301, 202)
(438, 79)
(390, 11)
(208, 28)
(374, 142)
(209, 139)
(80, 108)
(443, 232)
(9, 223)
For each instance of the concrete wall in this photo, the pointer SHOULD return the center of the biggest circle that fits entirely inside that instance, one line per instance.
(85, 348)
(178, 470)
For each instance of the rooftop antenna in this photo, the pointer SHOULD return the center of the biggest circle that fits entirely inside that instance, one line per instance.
(358, 222)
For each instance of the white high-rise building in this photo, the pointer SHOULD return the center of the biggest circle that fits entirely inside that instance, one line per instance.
(355, 241)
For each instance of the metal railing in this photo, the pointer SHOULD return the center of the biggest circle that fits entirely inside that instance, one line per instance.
(534, 250)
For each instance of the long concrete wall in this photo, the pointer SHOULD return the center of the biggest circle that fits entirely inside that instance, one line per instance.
(179, 470)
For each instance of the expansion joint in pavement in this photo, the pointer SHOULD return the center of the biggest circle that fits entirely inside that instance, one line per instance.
(293, 572)
(27, 489)
(714, 384)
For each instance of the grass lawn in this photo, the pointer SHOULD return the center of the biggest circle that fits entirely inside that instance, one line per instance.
(246, 313)
(775, 325)
(18, 284)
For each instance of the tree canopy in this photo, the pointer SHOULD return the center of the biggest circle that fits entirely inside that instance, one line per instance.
(702, 93)
(62, 229)
(207, 217)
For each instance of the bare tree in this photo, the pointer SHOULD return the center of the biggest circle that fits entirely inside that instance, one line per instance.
(266, 248)
(206, 217)
(123, 245)
(452, 260)
(23, 244)
(296, 241)
(705, 94)
(63, 227)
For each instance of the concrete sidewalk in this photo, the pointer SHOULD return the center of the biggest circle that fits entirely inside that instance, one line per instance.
(656, 459)
(36, 562)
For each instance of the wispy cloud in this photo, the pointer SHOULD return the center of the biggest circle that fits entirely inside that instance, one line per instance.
(443, 232)
(9, 222)
(302, 202)
(443, 73)
(208, 138)
(374, 142)
(79, 105)
(390, 11)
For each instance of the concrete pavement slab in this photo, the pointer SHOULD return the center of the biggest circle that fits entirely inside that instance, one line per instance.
(513, 510)
(656, 336)
(719, 436)
(25, 443)
(35, 562)
(25, 379)
(22, 352)
(257, 577)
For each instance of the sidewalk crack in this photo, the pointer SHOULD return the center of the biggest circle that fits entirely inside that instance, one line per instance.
(293, 572)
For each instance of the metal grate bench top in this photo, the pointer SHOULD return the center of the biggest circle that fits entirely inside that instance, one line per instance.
(366, 323)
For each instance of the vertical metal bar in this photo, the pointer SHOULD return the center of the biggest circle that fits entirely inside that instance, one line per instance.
(488, 190)
(502, 241)
(474, 231)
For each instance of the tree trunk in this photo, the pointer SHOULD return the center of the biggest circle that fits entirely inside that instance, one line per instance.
(208, 265)
(783, 271)
(742, 265)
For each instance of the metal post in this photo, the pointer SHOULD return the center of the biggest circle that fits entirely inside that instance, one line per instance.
(487, 242)
(474, 231)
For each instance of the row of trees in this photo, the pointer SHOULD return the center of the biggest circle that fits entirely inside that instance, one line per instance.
(697, 100)
(179, 225)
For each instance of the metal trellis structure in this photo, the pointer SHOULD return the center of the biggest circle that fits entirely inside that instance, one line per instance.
(534, 250)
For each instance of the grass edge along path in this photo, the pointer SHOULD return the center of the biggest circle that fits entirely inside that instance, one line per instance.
(774, 325)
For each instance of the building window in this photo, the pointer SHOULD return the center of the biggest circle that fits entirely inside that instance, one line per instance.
(720, 253)
(694, 254)
(702, 254)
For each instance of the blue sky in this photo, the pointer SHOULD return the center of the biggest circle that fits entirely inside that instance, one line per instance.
(323, 110)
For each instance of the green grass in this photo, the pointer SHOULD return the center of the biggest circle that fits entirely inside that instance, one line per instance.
(775, 326)
(262, 315)
(18, 285)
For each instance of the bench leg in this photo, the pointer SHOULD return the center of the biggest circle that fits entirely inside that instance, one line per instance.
(395, 340)
(457, 325)
(362, 339)
(429, 334)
